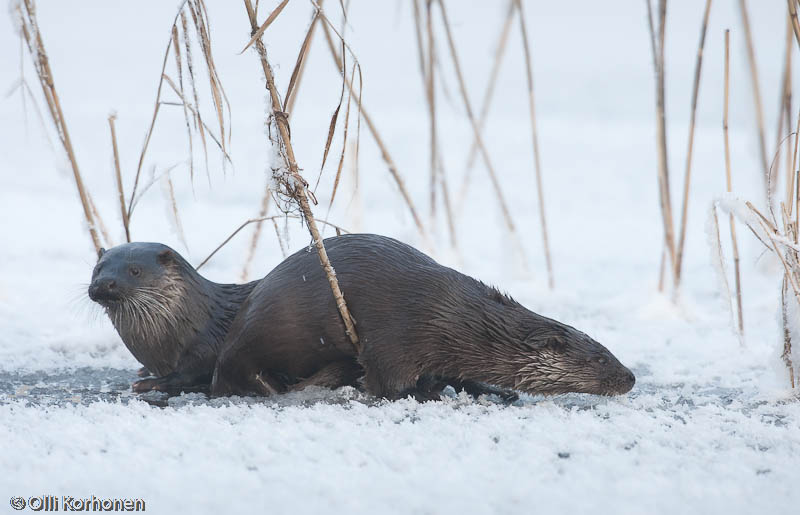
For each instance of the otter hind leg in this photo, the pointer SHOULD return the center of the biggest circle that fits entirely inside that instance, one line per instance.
(332, 375)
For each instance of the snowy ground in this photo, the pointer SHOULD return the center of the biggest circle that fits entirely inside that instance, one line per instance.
(711, 426)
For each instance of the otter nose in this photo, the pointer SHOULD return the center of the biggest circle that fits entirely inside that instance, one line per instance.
(628, 381)
(625, 382)
(102, 288)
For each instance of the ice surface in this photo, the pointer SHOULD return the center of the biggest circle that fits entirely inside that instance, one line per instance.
(711, 426)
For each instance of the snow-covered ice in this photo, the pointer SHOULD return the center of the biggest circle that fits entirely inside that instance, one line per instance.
(711, 426)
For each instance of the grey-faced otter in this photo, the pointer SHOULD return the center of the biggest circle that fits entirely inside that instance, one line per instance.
(171, 319)
(421, 325)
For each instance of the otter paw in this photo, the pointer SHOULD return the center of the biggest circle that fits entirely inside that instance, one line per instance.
(147, 385)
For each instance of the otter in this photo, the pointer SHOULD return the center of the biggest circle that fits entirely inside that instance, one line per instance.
(170, 318)
(422, 326)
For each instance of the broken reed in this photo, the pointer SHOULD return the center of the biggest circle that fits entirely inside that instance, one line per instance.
(29, 26)
(293, 182)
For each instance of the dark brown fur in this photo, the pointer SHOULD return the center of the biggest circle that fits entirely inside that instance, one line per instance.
(420, 324)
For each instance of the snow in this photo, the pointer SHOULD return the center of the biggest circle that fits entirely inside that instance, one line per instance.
(711, 426)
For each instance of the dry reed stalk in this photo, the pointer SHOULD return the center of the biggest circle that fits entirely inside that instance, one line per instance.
(179, 62)
(202, 126)
(103, 229)
(785, 112)
(149, 133)
(197, 10)
(751, 60)
(430, 92)
(33, 38)
(259, 220)
(344, 148)
(173, 204)
(200, 17)
(488, 95)
(728, 183)
(314, 22)
(296, 71)
(298, 187)
(535, 141)
(280, 239)
(118, 174)
(785, 246)
(385, 155)
(428, 68)
(25, 91)
(477, 132)
(690, 147)
(418, 34)
(786, 355)
(251, 252)
(793, 19)
(717, 247)
(448, 207)
(657, 47)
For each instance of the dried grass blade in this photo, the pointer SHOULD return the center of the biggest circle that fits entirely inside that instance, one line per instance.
(251, 252)
(176, 217)
(258, 33)
(179, 65)
(299, 64)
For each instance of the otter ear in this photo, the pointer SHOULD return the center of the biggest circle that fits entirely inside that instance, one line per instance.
(166, 257)
(100, 253)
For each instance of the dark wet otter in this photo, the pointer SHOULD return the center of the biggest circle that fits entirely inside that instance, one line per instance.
(171, 319)
(421, 325)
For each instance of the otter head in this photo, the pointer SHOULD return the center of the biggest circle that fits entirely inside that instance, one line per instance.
(567, 360)
(132, 271)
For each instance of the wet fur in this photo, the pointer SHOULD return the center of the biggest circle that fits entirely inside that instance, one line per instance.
(420, 323)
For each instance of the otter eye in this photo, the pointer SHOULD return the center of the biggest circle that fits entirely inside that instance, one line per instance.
(134, 271)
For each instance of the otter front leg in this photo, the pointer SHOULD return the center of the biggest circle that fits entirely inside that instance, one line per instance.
(192, 373)
(173, 384)
(476, 389)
